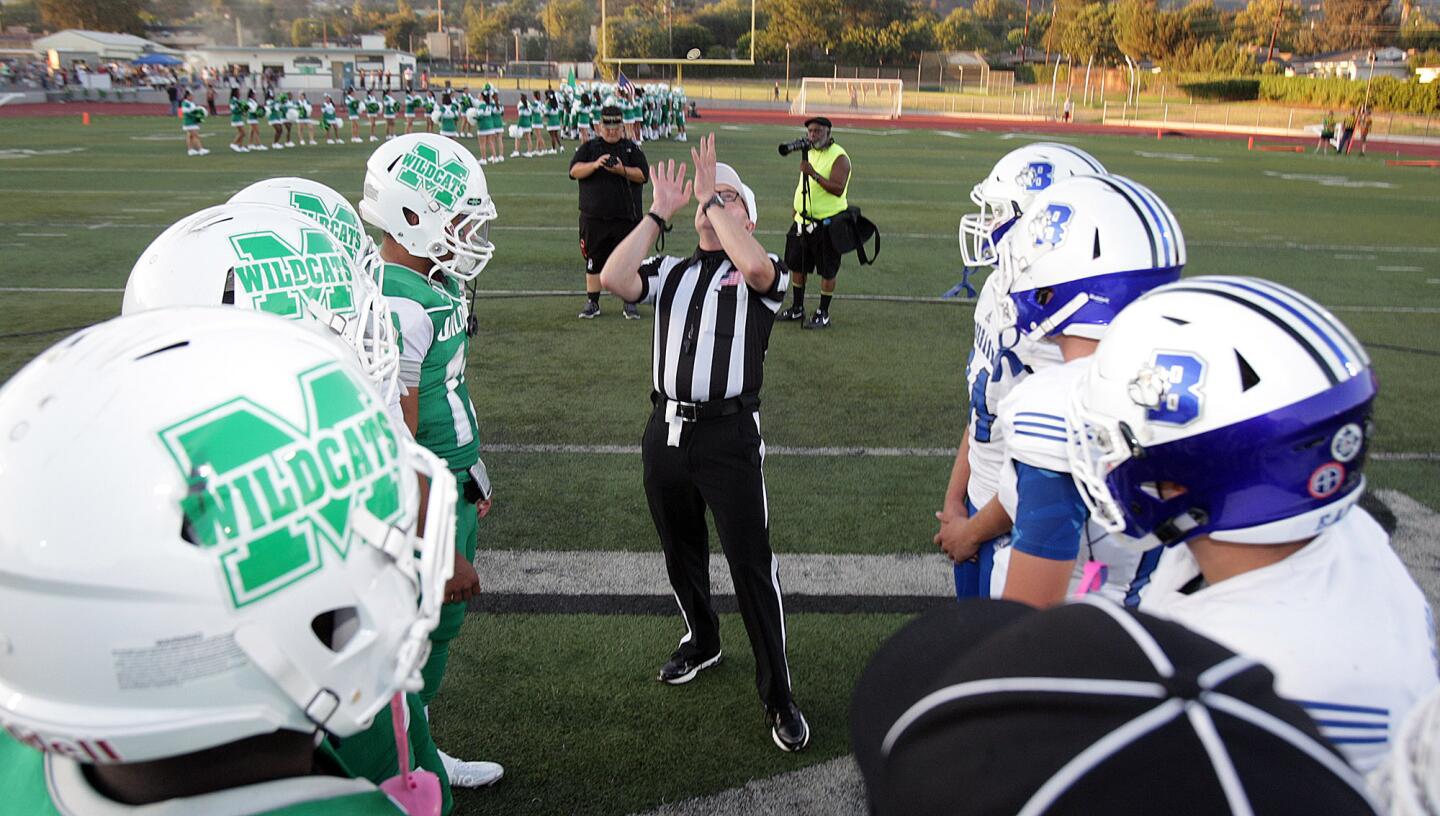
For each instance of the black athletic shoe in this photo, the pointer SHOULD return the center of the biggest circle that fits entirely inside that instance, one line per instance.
(819, 320)
(592, 310)
(631, 313)
(788, 727)
(792, 313)
(680, 669)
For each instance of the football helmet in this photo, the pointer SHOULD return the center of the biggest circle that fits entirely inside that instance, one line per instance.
(374, 333)
(437, 183)
(272, 259)
(1007, 190)
(1087, 246)
(1248, 397)
(248, 559)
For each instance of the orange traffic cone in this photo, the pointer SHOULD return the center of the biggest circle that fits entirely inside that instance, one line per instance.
(1157, 134)
(85, 118)
(1250, 145)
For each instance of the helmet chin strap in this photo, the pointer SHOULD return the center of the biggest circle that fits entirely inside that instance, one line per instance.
(1061, 315)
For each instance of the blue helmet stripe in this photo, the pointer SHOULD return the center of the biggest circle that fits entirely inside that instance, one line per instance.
(1319, 314)
(1348, 366)
(1088, 159)
(1171, 257)
(1210, 286)
(1149, 229)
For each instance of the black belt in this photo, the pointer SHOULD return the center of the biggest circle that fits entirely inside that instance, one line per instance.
(713, 409)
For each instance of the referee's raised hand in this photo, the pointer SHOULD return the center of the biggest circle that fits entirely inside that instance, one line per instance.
(672, 189)
(704, 157)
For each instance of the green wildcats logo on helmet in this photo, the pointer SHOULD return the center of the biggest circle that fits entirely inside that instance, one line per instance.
(280, 278)
(269, 496)
(420, 169)
(339, 221)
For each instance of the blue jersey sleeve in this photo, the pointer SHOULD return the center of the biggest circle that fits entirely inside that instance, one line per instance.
(1049, 517)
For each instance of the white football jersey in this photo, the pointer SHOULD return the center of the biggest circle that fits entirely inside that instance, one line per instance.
(990, 374)
(1031, 423)
(1341, 623)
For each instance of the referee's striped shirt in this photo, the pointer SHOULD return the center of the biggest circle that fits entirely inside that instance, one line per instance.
(711, 328)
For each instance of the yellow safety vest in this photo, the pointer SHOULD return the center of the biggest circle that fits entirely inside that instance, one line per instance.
(822, 203)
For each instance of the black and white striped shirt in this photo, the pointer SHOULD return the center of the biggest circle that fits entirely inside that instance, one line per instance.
(711, 328)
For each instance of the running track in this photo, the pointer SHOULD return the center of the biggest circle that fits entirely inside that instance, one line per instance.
(774, 117)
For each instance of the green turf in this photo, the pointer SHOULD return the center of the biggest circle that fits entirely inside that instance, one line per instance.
(571, 706)
(567, 702)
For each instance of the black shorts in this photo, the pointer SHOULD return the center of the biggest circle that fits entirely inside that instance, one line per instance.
(807, 252)
(598, 238)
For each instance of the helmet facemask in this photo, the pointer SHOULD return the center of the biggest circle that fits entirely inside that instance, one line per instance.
(977, 230)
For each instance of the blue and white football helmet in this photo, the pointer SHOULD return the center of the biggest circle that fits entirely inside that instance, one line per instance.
(1008, 189)
(1086, 248)
(1248, 397)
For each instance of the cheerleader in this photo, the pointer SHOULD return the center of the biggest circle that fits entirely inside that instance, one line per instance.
(307, 119)
(237, 121)
(352, 110)
(191, 116)
(388, 106)
(328, 121)
(252, 120)
(372, 113)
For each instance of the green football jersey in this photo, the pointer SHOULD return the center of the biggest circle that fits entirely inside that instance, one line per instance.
(432, 317)
(23, 783)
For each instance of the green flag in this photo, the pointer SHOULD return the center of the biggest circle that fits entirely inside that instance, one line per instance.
(571, 80)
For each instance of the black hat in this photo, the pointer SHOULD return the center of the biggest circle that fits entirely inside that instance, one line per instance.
(610, 115)
(818, 120)
(993, 707)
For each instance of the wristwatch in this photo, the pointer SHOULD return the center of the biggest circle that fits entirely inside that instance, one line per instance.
(715, 199)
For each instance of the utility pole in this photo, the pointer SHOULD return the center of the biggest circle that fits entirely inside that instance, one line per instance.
(1025, 33)
(1279, 10)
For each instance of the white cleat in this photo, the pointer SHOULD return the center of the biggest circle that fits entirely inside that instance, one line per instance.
(312, 141)
(356, 139)
(258, 147)
(374, 138)
(470, 774)
(202, 152)
(192, 152)
(289, 144)
(514, 153)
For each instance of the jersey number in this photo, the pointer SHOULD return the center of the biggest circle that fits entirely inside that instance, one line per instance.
(459, 414)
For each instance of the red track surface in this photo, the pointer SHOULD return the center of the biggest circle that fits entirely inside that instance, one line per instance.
(772, 117)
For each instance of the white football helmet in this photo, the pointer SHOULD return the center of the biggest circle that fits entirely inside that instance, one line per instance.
(248, 559)
(1087, 246)
(1408, 783)
(374, 333)
(1249, 396)
(1005, 193)
(272, 259)
(428, 193)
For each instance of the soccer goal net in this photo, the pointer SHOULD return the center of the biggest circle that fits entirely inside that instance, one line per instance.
(879, 98)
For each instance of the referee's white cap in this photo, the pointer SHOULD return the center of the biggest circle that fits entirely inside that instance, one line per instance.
(725, 174)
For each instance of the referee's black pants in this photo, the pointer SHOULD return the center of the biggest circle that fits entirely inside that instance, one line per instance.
(718, 464)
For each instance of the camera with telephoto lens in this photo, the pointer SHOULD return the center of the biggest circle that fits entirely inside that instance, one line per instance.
(799, 144)
(612, 160)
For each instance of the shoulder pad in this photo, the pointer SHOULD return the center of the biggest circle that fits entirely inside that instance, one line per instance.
(1032, 418)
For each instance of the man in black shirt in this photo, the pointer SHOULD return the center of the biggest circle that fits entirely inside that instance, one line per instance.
(611, 170)
(702, 447)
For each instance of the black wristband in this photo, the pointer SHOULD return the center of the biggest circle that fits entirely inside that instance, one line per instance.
(660, 222)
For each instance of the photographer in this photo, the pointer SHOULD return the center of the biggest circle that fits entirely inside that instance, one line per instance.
(819, 197)
(611, 170)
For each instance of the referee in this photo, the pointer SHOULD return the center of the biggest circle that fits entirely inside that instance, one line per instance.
(611, 170)
(702, 446)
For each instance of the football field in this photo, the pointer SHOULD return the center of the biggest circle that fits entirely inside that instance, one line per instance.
(553, 675)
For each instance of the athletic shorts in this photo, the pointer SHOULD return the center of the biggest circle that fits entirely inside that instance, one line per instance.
(811, 252)
(598, 239)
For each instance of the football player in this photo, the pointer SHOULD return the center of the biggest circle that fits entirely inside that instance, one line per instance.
(993, 369)
(1232, 416)
(251, 575)
(428, 196)
(1087, 246)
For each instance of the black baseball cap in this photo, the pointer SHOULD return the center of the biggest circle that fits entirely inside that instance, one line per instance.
(818, 120)
(989, 707)
(610, 115)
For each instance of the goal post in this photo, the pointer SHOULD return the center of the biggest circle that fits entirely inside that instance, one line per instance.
(871, 98)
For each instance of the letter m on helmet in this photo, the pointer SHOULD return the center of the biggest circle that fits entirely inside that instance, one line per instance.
(264, 493)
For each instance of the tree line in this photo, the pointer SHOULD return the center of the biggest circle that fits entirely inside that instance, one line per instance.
(1193, 36)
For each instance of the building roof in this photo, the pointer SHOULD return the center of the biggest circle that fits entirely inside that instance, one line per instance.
(108, 39)
(337, 51)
